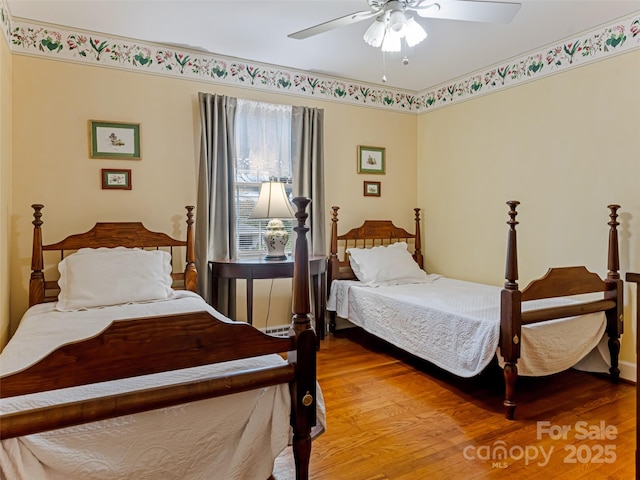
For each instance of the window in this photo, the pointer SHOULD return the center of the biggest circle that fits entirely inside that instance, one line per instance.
(263, 152)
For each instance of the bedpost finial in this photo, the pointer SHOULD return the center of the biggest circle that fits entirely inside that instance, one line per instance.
(613, 262)
(511, 269)
(334, 214)
(36, 281)
(190, 270)
(301, 301)
(37, 214)
(301, 214)
(417, 254)
(613, 215)
(513, 213)
(189, 214)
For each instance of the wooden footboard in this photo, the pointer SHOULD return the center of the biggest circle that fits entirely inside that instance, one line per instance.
(557, 282)
(134, 347)
(140, 347)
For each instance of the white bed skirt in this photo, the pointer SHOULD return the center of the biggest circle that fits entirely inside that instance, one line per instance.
(455, 325)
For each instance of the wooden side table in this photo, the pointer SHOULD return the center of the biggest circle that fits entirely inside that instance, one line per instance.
(635, 277)
(252, 268)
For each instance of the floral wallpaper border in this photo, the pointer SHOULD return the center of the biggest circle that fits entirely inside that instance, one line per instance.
(97, 49)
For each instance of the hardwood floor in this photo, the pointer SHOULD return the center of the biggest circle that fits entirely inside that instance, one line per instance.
(393, 417)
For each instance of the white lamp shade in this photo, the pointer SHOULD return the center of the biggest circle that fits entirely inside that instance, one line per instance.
(375, 33)
(272, 202)
(415, 33)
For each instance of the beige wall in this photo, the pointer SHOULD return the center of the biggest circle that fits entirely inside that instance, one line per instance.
(566, 147)
(5, 184)
(51, 163)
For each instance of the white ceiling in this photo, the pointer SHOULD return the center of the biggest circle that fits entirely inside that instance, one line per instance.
(257, 31)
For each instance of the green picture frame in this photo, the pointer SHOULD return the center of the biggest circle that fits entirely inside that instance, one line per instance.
(371, 160)
(115, 140)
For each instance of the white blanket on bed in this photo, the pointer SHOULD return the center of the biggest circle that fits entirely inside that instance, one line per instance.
(456, 325)
(232, 437)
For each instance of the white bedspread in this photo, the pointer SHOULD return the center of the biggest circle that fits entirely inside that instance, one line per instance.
(456, 325)
(231, 437)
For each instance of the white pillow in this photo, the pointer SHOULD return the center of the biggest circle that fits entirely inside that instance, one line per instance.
(385, 265)
(113, 276)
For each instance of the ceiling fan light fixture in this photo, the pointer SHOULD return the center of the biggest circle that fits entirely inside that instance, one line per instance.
(415, 33)
(375, 33)
(392, 43)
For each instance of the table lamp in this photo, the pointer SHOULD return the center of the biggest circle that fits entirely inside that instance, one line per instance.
(273, 204)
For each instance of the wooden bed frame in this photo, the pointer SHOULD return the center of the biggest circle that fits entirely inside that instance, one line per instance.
(178, 341)
(557, 282)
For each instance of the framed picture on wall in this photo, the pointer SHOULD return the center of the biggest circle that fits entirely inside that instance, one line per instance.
(116, 179)
(370, 159)
(114, 140)
(371, 189)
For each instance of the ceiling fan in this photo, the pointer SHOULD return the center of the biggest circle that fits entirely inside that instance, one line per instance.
(392, 15)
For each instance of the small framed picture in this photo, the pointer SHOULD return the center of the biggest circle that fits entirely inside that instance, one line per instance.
(370, 159)
(116, 179)
(371, 189)
(114, 140)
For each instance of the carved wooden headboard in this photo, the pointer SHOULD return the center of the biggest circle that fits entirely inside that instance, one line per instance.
(110, 235)
(370, 234)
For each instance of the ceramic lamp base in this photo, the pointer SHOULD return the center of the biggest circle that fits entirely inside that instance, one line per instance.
(276, 238)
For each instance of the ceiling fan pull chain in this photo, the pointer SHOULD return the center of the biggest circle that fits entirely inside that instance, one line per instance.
(405, 58)
(384, 67)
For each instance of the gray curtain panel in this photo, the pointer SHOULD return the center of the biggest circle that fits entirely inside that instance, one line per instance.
(307, 151)
(215, 210)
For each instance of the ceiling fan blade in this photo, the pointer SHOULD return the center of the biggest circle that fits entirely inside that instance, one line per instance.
(335, 23)
(471, 10)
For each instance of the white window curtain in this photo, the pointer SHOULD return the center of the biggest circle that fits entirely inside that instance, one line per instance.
(263, 152)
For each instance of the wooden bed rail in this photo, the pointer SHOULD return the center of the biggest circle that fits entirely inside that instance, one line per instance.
(110, 235)
(101, 408)
(544, 314)
(557, 282)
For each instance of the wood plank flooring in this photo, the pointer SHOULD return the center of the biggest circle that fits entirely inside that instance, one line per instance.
(391, 416)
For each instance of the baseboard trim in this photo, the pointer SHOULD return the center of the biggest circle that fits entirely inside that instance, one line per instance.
(628, 371)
